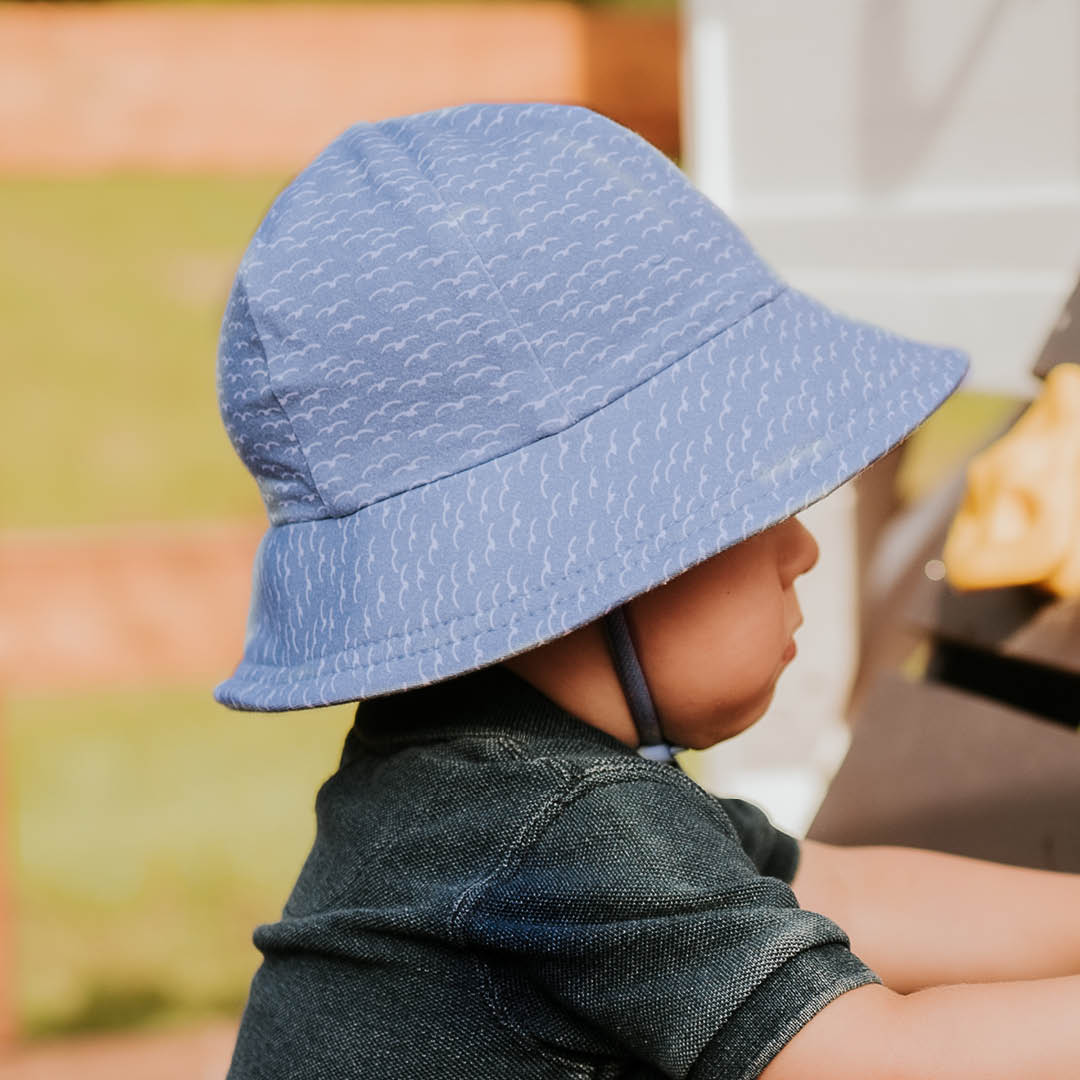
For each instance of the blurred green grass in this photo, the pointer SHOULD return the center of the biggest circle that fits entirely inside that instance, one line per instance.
(151, 832)
(112, 291)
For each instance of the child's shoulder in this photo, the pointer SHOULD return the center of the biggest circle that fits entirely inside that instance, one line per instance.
(488, 767)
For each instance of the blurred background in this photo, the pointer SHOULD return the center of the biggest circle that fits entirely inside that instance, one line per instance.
(909, 162)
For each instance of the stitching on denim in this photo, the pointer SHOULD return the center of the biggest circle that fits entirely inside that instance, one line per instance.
(537, 823)
(592, 778)
(581, 1070)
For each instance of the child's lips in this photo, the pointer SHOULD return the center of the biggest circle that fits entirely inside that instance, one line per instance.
(789, 652)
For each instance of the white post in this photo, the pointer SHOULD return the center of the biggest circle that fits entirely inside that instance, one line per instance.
(912, 163)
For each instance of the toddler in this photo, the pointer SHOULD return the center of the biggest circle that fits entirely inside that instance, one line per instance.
(533, 423)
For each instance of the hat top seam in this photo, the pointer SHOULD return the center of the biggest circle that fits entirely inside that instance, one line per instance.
(406, 149)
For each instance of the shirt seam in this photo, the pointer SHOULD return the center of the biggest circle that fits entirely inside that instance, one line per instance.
(570, 788)
(573, 788)
(581, 1066)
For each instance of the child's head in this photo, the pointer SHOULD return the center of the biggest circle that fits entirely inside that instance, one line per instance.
(502, 372)
(712, 643)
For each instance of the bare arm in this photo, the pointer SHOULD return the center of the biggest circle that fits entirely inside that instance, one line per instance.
(924, 918)
(994, 1031)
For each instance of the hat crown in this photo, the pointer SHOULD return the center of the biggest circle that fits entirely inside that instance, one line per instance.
(437, 290)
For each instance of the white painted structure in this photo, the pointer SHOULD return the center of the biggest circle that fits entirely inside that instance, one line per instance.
(915, 163)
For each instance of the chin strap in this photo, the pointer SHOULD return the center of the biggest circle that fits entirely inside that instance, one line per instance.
(636, 690)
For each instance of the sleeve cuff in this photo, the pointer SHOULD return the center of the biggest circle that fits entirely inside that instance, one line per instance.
(770, 1018)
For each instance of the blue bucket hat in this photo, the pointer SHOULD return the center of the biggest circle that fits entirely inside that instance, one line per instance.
(500, 368)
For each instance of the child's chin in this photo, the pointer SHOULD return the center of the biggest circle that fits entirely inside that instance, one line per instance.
(734, 725)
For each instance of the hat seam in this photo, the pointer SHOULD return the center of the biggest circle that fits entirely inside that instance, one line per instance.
(242, 283)
(406, 149)
(781, 291)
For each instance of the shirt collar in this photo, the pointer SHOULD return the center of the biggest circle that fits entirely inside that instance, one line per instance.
(493, 699)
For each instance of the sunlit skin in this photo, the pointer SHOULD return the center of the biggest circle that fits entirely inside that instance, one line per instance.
(712, 643)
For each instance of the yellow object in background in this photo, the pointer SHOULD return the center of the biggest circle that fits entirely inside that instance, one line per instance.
(1019, 521)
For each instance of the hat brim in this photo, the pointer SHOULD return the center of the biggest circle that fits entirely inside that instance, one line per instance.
(752, 426)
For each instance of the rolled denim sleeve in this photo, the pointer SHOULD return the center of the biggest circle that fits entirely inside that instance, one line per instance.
(633, 922)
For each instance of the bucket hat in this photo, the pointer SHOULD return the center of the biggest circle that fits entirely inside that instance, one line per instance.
(499, 368)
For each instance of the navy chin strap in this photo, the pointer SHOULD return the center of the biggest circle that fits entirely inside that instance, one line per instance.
(636, 691)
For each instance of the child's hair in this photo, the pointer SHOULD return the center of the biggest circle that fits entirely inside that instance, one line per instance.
(497, 369)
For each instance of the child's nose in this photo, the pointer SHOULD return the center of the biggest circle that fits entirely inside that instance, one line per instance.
(802, 549)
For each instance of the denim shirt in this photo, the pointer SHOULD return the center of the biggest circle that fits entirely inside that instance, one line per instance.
(499, 890)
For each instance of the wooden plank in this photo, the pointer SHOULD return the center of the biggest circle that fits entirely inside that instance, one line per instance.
(124, 606)
(199, 1051)
(263, 87)
(1039, 689)
(1020, 621)
(8, 958)
(933, 767)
